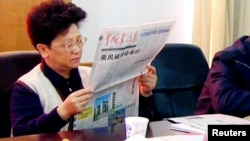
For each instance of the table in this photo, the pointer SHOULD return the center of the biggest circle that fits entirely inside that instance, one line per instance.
(117, 133)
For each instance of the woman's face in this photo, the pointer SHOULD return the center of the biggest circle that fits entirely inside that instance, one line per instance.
(65, 51)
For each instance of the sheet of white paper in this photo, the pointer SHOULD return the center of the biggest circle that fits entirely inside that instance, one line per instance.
(178, 138)
(186, 128)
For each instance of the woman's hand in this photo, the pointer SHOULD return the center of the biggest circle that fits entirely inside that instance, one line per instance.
(74, 103)
(147, 82)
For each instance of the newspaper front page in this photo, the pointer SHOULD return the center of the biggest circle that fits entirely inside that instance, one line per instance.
(121, 56)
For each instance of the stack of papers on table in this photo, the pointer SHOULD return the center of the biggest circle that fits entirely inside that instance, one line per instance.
(178, 138)
(169, 138)
(199, 123)
(187, 128)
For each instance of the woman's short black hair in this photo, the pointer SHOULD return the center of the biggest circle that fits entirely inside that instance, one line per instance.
(50, 18)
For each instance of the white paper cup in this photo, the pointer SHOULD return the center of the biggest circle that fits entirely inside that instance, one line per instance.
(136, 126)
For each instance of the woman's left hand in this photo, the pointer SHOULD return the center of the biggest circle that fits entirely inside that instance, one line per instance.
(147, 82)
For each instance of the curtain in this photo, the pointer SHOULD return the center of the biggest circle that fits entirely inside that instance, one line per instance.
(218, 23)
(241, 18)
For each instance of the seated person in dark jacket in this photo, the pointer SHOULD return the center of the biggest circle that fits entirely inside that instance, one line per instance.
(45, 99)
(227, 88)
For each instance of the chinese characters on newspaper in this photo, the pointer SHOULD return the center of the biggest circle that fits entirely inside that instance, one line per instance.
(121, 56)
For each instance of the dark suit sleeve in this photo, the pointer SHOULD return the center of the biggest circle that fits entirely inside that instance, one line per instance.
(27, 116)
(146, 108)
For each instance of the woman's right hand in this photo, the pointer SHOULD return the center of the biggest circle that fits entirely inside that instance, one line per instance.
(74, 103)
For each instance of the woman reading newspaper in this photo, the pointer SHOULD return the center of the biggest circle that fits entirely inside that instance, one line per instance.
(45, 99)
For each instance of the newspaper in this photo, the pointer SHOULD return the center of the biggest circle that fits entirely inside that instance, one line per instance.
(121, 56)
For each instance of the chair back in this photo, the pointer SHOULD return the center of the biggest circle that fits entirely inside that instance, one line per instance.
(181, 70)
(13, 64)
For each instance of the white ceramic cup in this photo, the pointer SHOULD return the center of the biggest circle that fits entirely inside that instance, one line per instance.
(136, 126)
